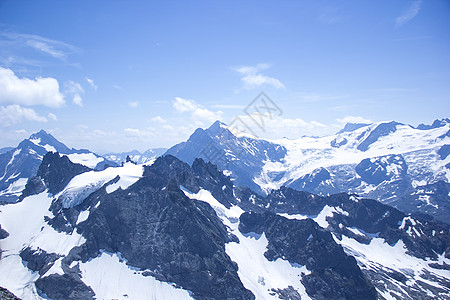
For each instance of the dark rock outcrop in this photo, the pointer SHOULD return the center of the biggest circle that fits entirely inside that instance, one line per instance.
(381, 130)
(54, 173)
(7, 295)
(334, 275)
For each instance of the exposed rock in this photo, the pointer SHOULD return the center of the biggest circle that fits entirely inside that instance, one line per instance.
(7, 295)
(334, 275)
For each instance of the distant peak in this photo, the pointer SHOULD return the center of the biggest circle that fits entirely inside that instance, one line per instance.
(349, 127)
(436, 124)
(40, 133)
(217, 127)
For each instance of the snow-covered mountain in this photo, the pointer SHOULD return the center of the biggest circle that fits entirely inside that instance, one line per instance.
(394, 163)
(168, 230)
(136, 156)
(20, 163)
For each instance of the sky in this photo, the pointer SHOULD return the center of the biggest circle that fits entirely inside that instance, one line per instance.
(113, 76)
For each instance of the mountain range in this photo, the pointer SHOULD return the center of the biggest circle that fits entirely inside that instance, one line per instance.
(226, 217)
(19, 164)
(397, 164)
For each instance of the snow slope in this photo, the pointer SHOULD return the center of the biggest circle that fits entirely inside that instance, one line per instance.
(110, 278)
(256, 272)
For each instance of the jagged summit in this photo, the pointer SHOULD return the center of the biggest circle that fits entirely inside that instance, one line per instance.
(436, 124)
(217, 127)
(45, 139)
(352, 127)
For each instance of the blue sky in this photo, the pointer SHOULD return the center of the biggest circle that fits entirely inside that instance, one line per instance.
(122, 75)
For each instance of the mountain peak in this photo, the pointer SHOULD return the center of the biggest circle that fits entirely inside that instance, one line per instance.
(217, 127)
(39, 134)
(436, 124)
(352, 127)
(49, 142)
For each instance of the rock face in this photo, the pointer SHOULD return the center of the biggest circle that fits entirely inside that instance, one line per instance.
(334, 275)
(7, 295)
(53, 174)
(155, 226)
(359, 224)
(381, 130)
(379, 169)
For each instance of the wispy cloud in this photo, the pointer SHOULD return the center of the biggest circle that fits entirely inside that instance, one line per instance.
(198, 112)
(54, 48)
(290, 128)
(228, 106)
(92, 83)
(159, 119)
(133, 104)
(354, 119)
(75, 90)
(253, 78)
(14, 114)
(409, 13)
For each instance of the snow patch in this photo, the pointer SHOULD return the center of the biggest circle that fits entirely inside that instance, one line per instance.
(89, 160)
(260, 275)
(111, 278)
(81, 186)
(26, 225)
(83, 216)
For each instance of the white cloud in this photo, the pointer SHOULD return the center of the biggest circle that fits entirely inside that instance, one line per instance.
(197, 111)
(52, 117)
(77, 100)
(354, 119)
(252, 77)
(75, 90)
(13, 114)
(29, 92)
(159, 119)
(133, 104)
(409, 14)
(276, 127)
(229, 106)
(92, 83)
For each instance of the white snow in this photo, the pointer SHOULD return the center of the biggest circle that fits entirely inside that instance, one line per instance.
(258, 274)
(81, 186)
(89, 160)
(229, 216)
(17, 278)
(380, 255)
(56, 268)
(111, 278)
(24, 221)
(306, 154)
(294, 216)
(15, 188)
(15, 153)
(83, 216)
